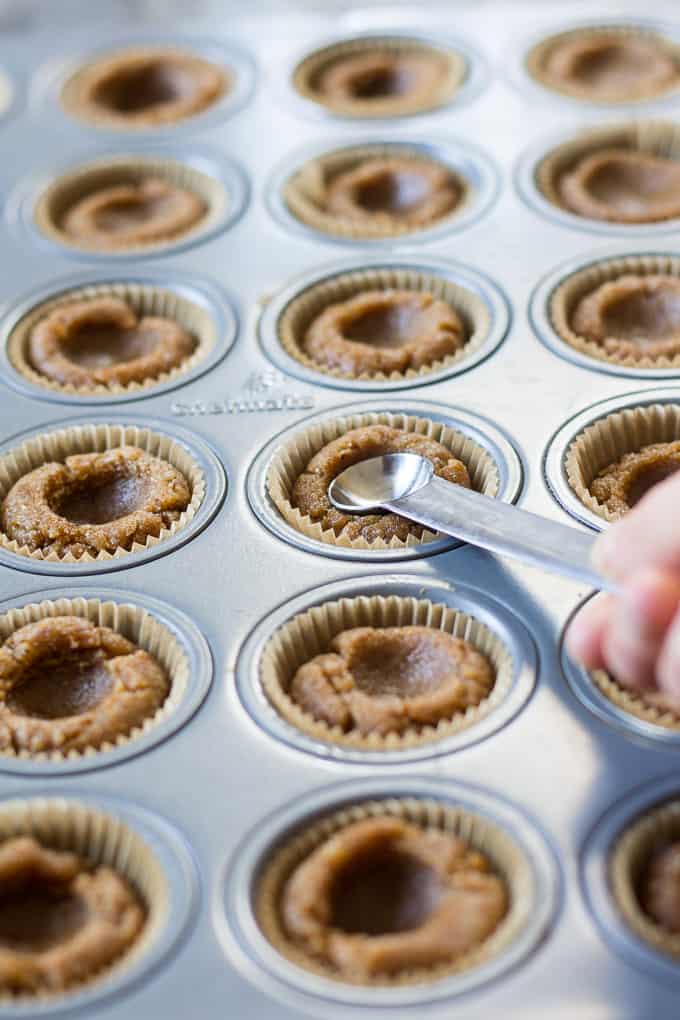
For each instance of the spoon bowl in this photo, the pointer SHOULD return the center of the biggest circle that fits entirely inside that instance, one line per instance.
(371, 483)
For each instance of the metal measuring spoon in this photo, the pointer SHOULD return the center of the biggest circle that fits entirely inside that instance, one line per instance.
(406, 484)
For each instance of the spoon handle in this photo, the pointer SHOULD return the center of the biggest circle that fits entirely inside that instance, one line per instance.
(502, 528)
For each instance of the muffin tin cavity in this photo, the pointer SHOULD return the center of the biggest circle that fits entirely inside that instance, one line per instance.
(303, 628)
(373, 192)
(248, 912)
(491, 460)
(620, 179)
(195, 305)
(476, 301)
(182, 451)
(117, 206)
(601, 436)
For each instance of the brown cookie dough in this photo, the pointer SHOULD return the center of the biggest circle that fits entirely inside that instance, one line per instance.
(383, 896)
(130, 215)
(383, 332)
(610, 67)
(61, 920)
(94, 502)
(632, 316)
(621, 485)
(310, 492)
(659, 890)
(384, 79)
(101, 341)
(393, 193)
(392, 679)
(146, 88)
(68, 685)
(622, 186)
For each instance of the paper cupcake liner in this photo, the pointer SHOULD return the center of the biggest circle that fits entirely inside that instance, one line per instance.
(630, 854)
(578, 285)
(310, 633)
(304, 191)
(608, 439)
(70, 187)
(103, 840)
(74, 95)
(144, 300)
(649, 137)
(291, 459)
(303, 309)
(306, 74)
(632, 703)
(134, 623)
(484, 835)
(536, 58)
(60, 444)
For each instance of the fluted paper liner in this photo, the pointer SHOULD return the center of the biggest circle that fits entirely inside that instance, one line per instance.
(145, 300)
(648, 137)
(311, 632)
(632, 703)
(59, 444)
(655, 828)
(606, 440)
(307, 71)
(74, 92)
(299, 314)
(538, 55)
(100, 839)
(507, 859)
(62, 194)
(578, 285)
(291, 459)
(304, 191)
(134, 623)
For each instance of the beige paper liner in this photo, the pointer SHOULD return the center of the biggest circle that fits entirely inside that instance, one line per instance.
(144, 300)
(103, 840)
(649, 137)
(298, 316)
(134, 623)
(60, 444)
(631, 703)
(655, 828)
(62, 194)
(537, 57)
(6, 91)
(304, 191)
(484, 835)
(578, 285)
(74, 92)
(310, 633)
(307, 72)
(291, 459)
(606, 440)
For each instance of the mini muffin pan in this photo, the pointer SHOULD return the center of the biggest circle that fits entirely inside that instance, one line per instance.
(222, 780)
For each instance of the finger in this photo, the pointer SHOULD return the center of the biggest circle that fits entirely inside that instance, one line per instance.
(648, 535)
(586, 631)
(668, 664)
(635, 633)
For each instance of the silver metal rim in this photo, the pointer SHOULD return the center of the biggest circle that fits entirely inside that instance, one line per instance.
(553, 459)
(474, 82)
(520, 77)
(22, 199)
(200, 291)
(195, 648)
(241, 937)
(479, 429)
(495, 301)
(51, 77)
(469, 161)
(595, 878)
(178, 865)
(539, 316)
(202, 453)
(525, 181)
(493, 614)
